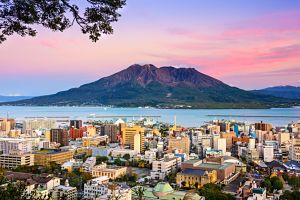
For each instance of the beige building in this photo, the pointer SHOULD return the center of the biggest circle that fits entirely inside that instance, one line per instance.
(110, 171)
(162, 168)
(182, 144)
(15, 158)
(134, 137)
(295, 150)
(46, 156)
(283, 137)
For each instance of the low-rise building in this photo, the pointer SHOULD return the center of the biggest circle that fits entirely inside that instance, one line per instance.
(195, 178)
(110, 171)
(46, 156)
(16, 158)
(96, 187)
(64, 191)
(88, 165)
(162, 168)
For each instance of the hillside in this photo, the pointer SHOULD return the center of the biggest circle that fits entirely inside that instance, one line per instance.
(165, 87)
(290, 92)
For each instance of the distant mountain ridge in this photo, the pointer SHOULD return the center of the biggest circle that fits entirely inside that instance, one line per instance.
(287, 91)
(13, 98)
(164, 87)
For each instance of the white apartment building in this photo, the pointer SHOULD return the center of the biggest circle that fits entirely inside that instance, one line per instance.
(161, 168)
(268, 153)
(118, 153)
(37, 124)
(96, 187)
(88, 165)
(23, 145)
(15, 158)
(70, 193)
(150, 155)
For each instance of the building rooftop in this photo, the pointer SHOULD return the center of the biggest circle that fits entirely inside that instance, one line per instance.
(215, 166)
(49, 151)
(192, 161)
(196, 172)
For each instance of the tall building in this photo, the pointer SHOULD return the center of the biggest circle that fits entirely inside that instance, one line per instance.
(111, 130)
(36, 124)
(129, 138)
(228, 136)
(295, 150)
(76, 133)
(76, 123)
(224, 126)
(263, 126)
(284, 137)
(182, 144)
(7, 124)
(221, 145)
(8, 144)
(268, 153)
(59, 136)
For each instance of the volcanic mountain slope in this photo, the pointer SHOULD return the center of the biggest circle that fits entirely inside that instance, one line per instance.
(288, 91)
(165, 87)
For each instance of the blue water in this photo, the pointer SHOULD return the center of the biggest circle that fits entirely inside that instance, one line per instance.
(185, 117)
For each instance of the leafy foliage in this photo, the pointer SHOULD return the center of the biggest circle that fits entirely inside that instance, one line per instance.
(101, 159)
(288, 195)
(214, 192)
(20, 16)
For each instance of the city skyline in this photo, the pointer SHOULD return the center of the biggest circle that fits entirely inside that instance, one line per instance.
(250, 45)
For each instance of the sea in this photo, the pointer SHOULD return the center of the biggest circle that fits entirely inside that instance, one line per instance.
(184, 117)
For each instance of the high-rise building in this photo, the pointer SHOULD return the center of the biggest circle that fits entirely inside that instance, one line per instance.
(228, 136)
(8, 144)
(295, 150)
(221, 145)
(111, 130)
(284, 137)
(268, 153)
(76, 133)
(182, 144)
(36, 124)
(59, 136)
(263, 126)
(76, 123)
(7, 124)
(128, 137)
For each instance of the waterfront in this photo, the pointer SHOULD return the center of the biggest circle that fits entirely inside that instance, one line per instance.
(185, 117)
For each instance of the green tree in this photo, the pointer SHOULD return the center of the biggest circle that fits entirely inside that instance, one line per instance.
(101, 159)
(276, 183)
(139, 192)
(267, 184)
(126, 156)
(21, 16)
(289, 195)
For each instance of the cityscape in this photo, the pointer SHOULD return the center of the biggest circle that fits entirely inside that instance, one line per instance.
(148, 100)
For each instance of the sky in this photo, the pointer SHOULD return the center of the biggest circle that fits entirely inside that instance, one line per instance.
(248, 44)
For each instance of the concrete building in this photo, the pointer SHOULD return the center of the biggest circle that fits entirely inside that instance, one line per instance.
(15, 158)
(69, 193)
(195, 178)
(8, 144)
(119, 153)
(295, 150)
(268, 153)
(96, 187)
(225, 171)
(59, 136)
(133, 137)
(221, 145)
(111, 130)
(46, 156)
(88, 165)
(37, 124)
(284, 137)
(162, 168)
(76, 124)
(150, 155)
(110, 171)
(263, 126)
(228, 136)
(181, 144)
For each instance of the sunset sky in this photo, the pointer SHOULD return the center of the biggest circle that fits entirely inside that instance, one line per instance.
(249, 44)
